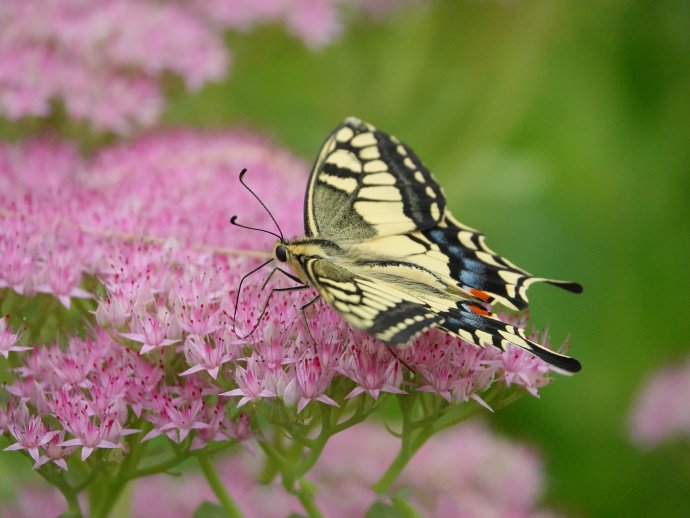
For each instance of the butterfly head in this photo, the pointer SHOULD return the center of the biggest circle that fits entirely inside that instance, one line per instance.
(291, 253)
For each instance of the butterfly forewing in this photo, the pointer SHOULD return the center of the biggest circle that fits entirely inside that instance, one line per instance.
(366, 183)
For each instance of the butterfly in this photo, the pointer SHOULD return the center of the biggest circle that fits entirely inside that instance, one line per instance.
(383, 250)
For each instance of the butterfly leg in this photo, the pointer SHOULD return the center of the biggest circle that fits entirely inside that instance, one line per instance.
(288, 275)
(239, 288)
(268, 299)
(304, 317)
(391, 348)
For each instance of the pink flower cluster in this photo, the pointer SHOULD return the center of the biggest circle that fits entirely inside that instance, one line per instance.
(464, 472)
(106, 60)
(662, 409)
(91, 389)
(150, 221)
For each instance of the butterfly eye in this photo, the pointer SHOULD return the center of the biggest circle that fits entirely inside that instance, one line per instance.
(281, 253)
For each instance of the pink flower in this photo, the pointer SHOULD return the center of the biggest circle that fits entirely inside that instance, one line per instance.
(662, 409)
(185, 419)
(203, 356)
(220, 427)
(522, 368)
(251, 382)
(89, 434)
(30, 435)
(149, 220)
(106, 61)
(16, 259)
(466, 471)
(8, 339)
(373, 367)
(311, 381)
(89, 56)
(64, 275)
(199, 318)
(54, 452)
(153, 331)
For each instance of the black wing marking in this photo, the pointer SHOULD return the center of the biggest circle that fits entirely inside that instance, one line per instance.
(458, 254)
(478, 268)
(480, 327)
(366, 183)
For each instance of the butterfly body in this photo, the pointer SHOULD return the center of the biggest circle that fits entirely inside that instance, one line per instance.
(383, 250)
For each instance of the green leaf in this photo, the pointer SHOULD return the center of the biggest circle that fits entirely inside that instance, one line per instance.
(383, 510)
(209, 510)
(404, 508)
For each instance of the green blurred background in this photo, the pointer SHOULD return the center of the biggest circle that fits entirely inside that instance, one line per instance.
(562, 130)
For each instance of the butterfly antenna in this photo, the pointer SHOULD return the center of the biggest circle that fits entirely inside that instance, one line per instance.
(242, 173)
(233, 221)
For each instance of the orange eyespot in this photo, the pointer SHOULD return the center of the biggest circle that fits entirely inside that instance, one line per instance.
(479, 311)
(480, 294)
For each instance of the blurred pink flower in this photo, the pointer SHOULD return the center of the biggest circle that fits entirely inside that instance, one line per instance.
(103, 60)
(662, 409)
(466, 471)
(106, 61)
(153, 332)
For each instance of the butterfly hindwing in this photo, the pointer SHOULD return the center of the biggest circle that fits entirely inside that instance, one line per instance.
(378, 308)
(366, 183)
(476, 325)
(395, 302)
(459, 255)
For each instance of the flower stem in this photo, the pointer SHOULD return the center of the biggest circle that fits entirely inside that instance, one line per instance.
(305, 493)
(226, 501)
(58, 480)
(404, 456)
(115, 485)
(412, 439)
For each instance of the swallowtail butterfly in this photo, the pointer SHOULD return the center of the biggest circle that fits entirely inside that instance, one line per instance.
(383, 250)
